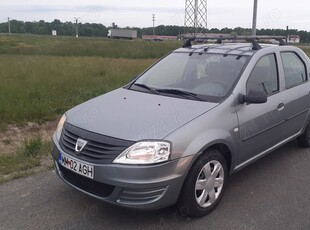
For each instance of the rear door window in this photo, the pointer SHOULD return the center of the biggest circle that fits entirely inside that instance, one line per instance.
(294, 69)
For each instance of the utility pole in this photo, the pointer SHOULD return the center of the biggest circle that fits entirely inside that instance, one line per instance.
(153, 26)
(287, 35)
(254, 18)
(9, 25)
(76, 27)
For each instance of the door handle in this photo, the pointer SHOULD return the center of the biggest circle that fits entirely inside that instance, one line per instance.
(281, 106)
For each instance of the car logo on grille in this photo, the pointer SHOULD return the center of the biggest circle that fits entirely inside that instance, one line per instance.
(80, 144)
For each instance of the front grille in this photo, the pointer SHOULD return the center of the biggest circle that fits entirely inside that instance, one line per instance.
(88, 185)
(99, 149)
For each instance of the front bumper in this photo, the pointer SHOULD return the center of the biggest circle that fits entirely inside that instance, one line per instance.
(140, 187)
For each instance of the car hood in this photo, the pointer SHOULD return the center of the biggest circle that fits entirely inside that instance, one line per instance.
(132, 115)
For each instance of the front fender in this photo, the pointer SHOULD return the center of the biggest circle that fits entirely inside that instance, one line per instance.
(211, 138)
(217, 126)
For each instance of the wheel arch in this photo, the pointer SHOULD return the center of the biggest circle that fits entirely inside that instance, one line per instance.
(225, 150)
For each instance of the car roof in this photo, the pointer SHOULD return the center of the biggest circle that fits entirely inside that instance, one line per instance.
(245, 49)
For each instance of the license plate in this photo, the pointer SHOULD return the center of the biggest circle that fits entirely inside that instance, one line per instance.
(76, 166)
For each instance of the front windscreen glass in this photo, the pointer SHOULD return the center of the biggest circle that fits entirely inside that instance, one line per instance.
(207, 77)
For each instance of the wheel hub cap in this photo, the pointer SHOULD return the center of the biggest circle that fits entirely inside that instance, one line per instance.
(209, 183)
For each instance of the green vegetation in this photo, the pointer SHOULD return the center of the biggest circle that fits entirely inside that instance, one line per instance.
(42, 77)
(27, 157)
(42, 27)
(89, 47)
(98, 30)
(40, 89)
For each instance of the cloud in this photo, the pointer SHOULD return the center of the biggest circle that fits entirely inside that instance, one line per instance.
(88, 8)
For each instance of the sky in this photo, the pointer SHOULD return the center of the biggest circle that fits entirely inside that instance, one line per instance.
(272, 14)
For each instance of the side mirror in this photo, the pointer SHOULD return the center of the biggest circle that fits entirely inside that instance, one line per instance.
(254, 97)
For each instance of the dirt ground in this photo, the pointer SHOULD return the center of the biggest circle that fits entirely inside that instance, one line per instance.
(14, 136)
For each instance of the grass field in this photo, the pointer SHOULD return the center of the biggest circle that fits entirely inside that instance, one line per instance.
(41, 77)
(72, 47)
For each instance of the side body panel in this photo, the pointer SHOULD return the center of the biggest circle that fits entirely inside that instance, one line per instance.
(266, 127)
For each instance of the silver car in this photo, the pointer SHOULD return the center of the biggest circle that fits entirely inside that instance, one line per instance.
(175, 133)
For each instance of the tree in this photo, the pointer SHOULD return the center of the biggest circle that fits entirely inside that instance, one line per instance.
(29, 27)
(56, 25)
(114, 26)
(86, 30)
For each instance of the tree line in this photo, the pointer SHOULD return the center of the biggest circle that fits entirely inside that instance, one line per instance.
(62, 28)
(98, 30)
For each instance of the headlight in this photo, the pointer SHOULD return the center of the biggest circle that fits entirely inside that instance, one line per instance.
(60, 126)
(145, 153)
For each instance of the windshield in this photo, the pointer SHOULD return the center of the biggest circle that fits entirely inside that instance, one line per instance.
(205, 76)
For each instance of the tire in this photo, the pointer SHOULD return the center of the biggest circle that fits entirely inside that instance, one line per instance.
(201, 193)
(304, 139)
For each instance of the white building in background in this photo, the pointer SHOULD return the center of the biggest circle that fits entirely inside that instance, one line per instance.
(293, 39)
(54, 32)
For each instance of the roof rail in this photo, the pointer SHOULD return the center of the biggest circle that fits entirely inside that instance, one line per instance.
(253, 39)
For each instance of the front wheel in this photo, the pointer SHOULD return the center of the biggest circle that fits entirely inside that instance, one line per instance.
(204, 185)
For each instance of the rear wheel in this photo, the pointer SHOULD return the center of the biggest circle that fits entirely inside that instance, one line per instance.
(204, 185)
(304, 139)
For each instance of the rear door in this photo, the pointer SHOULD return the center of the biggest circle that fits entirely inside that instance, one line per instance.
(296, 97)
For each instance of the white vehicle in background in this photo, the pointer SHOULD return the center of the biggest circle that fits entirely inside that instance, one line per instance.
(122, 34)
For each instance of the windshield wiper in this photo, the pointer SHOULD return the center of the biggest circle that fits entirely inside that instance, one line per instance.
(179, 93)
(146, 87)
